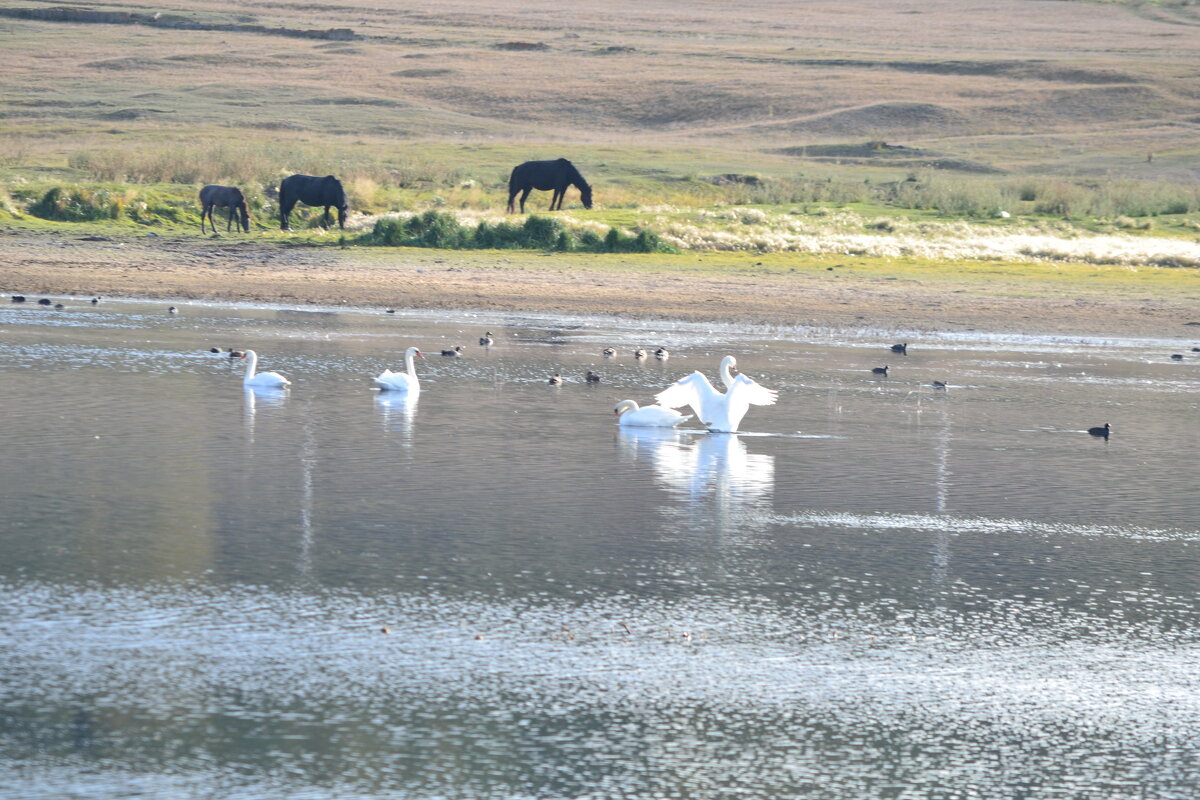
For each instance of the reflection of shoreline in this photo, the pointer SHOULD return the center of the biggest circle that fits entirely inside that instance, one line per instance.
(398, 410)
(715, 463)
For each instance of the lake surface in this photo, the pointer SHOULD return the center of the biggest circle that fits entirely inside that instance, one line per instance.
(881, 590)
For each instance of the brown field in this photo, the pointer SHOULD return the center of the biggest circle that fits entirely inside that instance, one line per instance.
(1024, 85)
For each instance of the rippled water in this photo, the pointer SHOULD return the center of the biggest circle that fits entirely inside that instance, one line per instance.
(881, 590)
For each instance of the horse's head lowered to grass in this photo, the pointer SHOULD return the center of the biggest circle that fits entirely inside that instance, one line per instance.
(312, 191)
(545, 176)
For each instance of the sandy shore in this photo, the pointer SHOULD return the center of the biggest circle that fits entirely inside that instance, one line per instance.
(776, 290)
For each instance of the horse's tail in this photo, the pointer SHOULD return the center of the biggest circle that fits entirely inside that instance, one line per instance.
(283, 206)
(513, 188)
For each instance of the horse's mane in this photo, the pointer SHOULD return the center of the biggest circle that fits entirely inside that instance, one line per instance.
(573, 173)
(330, 180)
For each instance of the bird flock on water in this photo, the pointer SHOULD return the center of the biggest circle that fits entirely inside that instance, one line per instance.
(716, 410)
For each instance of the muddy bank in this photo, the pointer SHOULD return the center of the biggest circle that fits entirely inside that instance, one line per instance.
(794, 291)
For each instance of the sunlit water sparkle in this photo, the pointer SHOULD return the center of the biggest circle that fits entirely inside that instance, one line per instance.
(882, 590)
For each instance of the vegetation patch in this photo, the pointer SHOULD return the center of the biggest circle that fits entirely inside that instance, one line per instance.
(522, 47)
(444, 230)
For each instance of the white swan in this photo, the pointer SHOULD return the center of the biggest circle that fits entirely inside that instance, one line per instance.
(261, 379)
(728, 364)
(630, 416)
(401, 381)
(721, 413)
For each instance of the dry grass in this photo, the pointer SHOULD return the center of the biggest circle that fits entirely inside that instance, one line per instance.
(428, 105)
(1016, 84)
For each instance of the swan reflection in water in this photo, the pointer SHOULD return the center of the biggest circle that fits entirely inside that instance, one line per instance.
(398, 410)
(265, 397)
(712, 466)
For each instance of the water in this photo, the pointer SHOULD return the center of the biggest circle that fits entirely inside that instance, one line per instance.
(882, 590)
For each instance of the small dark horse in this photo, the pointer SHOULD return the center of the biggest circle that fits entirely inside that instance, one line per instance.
(231, 197)
(544, 176)
(312, 191)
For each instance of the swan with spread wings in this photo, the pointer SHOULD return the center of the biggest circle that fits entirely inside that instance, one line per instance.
(720, 412)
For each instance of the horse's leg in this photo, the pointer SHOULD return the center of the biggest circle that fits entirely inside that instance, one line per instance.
(229, 219)
(325, 219)
(524, 195)
(512, 196)
(286, 210)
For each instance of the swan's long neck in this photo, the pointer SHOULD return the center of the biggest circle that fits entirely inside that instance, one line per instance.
(409, 363)
(726, 373)
(251, 364)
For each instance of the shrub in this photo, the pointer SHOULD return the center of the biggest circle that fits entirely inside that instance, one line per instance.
(497, 237)
(388, 232)
(1062, 199)
(436, 229)
(542, 232)
(643, 242)
(590, 241)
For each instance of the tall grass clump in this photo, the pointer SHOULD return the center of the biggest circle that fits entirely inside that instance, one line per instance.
(7, 206)
(143, 205)
(263, 163)
(981, 197)
(1108, 199)
(779, 191)
(1140, 199)
(78, 204)
(951, 195)
(233, 164)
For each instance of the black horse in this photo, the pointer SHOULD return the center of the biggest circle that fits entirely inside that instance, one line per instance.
(231, 197)
(544, 176)
(312, 191)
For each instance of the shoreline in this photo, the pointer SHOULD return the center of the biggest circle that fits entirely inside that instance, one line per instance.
(729, 289)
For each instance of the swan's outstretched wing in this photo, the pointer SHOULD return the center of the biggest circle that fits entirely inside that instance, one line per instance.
(744, 392)
(693, 390)
(755, 393)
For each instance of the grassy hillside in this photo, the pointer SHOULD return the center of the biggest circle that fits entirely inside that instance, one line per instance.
(1021, 112)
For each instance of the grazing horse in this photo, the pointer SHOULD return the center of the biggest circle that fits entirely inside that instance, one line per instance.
(312, 191)
(231, 197)
(544, 176)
